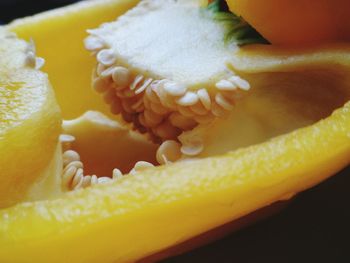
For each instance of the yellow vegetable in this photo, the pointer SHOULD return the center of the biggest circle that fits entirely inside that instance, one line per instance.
(137, 216)
(290, 22)
(30, 123)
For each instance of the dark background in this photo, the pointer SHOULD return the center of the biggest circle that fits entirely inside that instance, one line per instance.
(314, 228)
(10, 9)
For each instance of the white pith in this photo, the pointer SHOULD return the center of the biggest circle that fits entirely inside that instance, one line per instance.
(168, 98)
(27, 48)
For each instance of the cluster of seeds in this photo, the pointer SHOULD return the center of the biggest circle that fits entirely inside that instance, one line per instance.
(73, 176)
(148, 95)
(163, 108)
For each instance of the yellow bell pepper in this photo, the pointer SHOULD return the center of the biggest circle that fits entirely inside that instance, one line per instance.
(291, 22)
(29, 125)
(139, 216)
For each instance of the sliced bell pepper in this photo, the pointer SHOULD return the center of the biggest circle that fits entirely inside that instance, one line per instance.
(141, 215)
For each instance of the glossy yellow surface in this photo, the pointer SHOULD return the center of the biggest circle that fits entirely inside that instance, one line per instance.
(29, 124)
(167, 205)
(161, 207)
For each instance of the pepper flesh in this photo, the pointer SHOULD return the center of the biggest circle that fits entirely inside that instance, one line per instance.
(29, 125)
(145, 211)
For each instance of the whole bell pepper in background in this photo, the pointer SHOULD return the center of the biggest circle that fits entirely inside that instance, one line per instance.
(291, 22)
